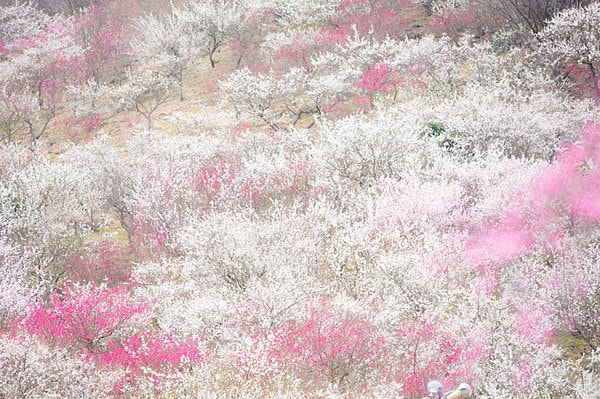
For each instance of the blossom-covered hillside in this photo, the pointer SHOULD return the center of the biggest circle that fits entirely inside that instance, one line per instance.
(299, 199)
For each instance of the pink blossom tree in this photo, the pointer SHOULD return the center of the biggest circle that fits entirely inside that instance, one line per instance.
(380, 78)
(103, 31)
(86, 317)
(331, 346)
(106, 326)
(380, 17)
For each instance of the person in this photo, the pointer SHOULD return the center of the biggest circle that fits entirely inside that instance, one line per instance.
(463, 391)
(435, 389)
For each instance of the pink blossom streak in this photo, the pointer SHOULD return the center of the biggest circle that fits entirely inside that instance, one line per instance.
(568, 187)
(533, 323)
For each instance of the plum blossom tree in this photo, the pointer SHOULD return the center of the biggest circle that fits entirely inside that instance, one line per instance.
(452, 18)
(107, 327)
(378, 77)
(144, 92)
(168, 43)
(246, 35)
(34, 75)
(572, 35)
(254, 93)
(102, 262)
(14, 110)
(21, 20)
(332, 344)
(85, 318)
(33, 368)
(17, 289)
(195, 29)
(358, 151)
(302, 13)
(462, 126)
(216, 20)
(104, 32)
(576, 294)
(90, 102)
(40, 216)
(379, 18)
(51, 55)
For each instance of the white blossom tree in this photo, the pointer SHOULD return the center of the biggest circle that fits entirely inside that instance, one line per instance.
(144, 92)
(35, 369)
(21, 20)
(215, 20)
(573, 35)
(168, 43)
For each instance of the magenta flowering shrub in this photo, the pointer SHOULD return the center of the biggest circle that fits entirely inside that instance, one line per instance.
(379, 78)
(110, 330)
(86, 317)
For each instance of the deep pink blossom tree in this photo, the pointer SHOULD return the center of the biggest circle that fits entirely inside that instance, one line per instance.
(103, 32)
(379, 77)
(86, 317)
(331, 346)
(430, 351)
